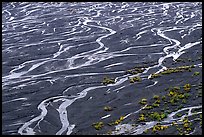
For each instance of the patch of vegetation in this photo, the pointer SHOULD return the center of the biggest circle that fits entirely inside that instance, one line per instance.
(187, 87)
(172, 70)
(173, 101)
(187, 126)
(156, 97)
(107, 81)
(174, 123)
(98, 125)
(187, 95)
(135, 71)
(157, 101)
(178, 115)
(154, 75)
(134, 79)
(176, 88)
(116, 122)
(146, 130)
(163, 97)
(142, 118)
(159, 127)
(196, 73)
(148, 107)
(155, 105)
(173, 91)
(107, 108)
(181, 96)
(175, 94)
(143, 101)
(158, 116)
(119, 120)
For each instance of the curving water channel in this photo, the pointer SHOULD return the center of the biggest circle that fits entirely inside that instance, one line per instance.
(55, 56)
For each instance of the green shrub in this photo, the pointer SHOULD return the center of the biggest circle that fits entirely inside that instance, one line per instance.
(134, 79)
(98, 125)
(143, 101)
(156, 97)
(187, 87)
(107, 108)
(107, 81)
(196, 73)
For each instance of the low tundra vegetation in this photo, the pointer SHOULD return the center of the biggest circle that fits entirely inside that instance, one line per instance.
(98, 125)
(159, 127)
(196, 73)
(108, 108)
(135, 70)
(135, 79)
(117, 121)
(107, 81)
(172, 70)
(143, 101)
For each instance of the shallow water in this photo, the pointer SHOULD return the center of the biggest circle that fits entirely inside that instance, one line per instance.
(55, 55)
